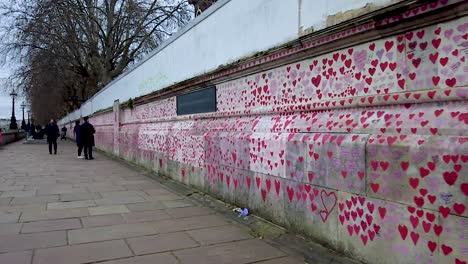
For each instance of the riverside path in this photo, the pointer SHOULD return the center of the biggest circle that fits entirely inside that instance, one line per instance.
(60, 209)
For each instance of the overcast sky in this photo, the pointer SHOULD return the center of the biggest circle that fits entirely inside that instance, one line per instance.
(5, 107)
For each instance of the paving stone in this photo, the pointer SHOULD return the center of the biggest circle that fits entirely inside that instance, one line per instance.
(102, 220)
(286, 260)
(29, 193)
(161, 258)
(132, 187)
(123, 194)
(32, 241)
(134, 182)
(145, 216)
(5, 201)
(68, 205)
(188, 211)
(153, 185)
(120, 200)
(245, 251)
(4, 188)
(189, 223)
(164, 197)
(79, 196)
(73, 180)
(102, 233)
(51, 225)
(55, 190)
(219, 234)
(108, 209)
(161, 243)
(23, 208)
(9, 218)
(9, 229)
(85, 253)
(105, 188)
(176, 204)
(147, 206)
(43, 184)
(94, 183)
(53, 214)
(23, 257)
(158, 191)
(35, 200)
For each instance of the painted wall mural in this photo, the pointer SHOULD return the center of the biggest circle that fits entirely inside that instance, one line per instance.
(419, 60)
(363, 148)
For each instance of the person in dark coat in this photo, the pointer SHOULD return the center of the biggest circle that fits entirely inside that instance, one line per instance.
(87, 138)
(52, 132)
(77, 133)
(64, 133)
(27, 130)
(40, 132)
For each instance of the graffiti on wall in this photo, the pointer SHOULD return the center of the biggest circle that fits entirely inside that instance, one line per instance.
(388, 173)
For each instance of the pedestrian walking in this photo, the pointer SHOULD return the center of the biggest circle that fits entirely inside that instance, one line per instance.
(77, 133)
(64, 133)
(87, 137)
(27, 129)
(52, 132)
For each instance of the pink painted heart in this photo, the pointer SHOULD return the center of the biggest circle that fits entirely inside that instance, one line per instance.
(447, 49)
(463, 28)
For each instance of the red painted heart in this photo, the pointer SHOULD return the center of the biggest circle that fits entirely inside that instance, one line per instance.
(414, 237)
(464, 188)
(446, 249)
(414, 221)
(438, 229)
(414, 182)
(426, 226)
(328, 202)
(424, 172)
(432, 246)
(403, 231)
(459, 208)
(450, 177)
(445, 211)
(382, 212)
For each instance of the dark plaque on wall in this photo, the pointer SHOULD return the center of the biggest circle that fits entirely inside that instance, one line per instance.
(201, 101)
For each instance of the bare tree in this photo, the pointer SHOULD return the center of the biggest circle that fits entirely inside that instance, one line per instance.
(75, 47)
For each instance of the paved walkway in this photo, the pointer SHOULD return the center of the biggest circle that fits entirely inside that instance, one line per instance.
(58, 209)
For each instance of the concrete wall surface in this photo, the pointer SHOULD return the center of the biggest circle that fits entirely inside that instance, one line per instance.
(363, 148)
(10, 137)
(218, 37)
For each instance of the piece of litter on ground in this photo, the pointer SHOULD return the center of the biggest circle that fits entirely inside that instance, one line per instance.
(242, 212)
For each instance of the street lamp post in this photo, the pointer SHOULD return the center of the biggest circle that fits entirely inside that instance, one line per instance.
(29, 112)
(13, 124)
(23, 123)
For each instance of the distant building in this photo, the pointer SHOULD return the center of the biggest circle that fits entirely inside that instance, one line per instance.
(5, 123)
(201, 5)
